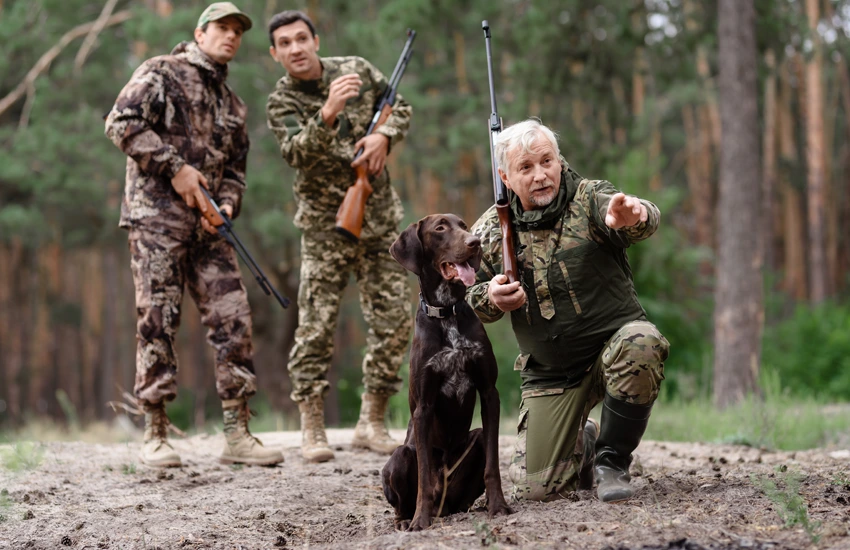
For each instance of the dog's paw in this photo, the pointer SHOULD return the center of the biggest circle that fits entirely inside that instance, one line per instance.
(419, 523)
(402, 524)
(499, 509)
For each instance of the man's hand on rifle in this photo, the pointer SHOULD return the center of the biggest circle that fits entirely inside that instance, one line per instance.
(225, 209)
(505, 296)
(187, 182)
(341, 90)
(375, 149)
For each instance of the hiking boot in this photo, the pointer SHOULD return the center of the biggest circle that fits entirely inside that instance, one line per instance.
(156, 450)
(585, 475)
(240, 446)
(623, 424)
(314, 440)
(370, 432)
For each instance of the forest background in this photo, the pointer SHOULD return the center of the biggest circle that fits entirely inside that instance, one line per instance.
(631, 88)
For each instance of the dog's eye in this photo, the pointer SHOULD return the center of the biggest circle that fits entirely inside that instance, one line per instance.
(440, 228)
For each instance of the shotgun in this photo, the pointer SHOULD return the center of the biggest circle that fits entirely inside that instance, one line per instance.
(220, 221)
(349, 217)
(503, 208)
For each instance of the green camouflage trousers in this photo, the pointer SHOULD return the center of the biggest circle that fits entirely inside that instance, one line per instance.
(207, 267)
(327, 260)
(550, 433)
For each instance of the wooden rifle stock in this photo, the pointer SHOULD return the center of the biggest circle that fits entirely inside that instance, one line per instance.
(500, 191)
(349, 216)
(508, 253)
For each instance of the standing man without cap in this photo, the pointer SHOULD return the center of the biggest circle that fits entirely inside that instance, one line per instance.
(182, 127)
(319, 113)
(583, 336)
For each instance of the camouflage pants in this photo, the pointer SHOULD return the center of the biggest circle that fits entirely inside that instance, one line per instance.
(550, 433)
(207, 267)
(327, 260)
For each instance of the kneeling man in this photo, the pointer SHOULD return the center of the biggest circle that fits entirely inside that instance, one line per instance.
(583, 335)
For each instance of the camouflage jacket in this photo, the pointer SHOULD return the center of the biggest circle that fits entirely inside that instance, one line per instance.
(322, 156)
(576, 276)
(178, 109)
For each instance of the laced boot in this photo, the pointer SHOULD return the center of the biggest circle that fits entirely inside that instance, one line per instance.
(370, 432)
(240, 446)
(623, 425)
(314, 441)
(157, 451)
(585, 475)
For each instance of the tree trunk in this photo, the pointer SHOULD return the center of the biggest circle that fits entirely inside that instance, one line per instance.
(768, 182)
(815, 188)
(738, 295)
(793, 216)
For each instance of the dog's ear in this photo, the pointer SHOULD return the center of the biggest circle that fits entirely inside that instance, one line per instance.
(407, 249)
(475, 260)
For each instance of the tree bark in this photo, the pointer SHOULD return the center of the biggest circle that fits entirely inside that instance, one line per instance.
(738, 313)
(768, 182)
(793, 215)
(815, 188)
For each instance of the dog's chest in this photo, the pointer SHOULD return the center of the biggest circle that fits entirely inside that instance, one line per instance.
(452, 360)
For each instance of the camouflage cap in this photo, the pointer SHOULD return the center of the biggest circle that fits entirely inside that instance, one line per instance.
(220, 10)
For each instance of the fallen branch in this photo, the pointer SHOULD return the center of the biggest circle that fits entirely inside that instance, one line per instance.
(44, 62)
(91, 37)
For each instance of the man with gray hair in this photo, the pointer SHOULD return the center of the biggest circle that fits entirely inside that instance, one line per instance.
(582, 334)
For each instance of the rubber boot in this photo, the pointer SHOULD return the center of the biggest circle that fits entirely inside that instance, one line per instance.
(585, 475)
(240, 446)
(623, 425)
(157, 451)
(370, 432)
(314, 440)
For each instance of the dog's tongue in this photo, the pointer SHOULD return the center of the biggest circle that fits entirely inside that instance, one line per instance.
(466, 274)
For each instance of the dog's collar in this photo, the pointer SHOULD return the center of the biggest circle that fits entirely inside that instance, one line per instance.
(437, 312)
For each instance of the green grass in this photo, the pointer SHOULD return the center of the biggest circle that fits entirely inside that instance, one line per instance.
(22, 455)
(785, 495)
(775, 421)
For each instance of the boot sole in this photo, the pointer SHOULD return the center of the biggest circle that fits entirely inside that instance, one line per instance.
(368, 447)
(327, 457)
(167, 464)
(249, 461)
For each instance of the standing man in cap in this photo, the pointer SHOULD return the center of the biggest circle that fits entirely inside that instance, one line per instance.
(182, 127)
(319, 112)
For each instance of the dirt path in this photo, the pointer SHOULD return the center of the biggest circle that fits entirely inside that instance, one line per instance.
(691, 496)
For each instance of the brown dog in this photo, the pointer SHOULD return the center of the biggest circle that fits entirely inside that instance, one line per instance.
(443, 466)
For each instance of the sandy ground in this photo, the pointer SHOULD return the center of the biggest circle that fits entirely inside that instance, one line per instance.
(690, 497)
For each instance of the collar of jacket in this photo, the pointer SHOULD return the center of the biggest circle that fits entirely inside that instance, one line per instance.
(330, 72)
(193, 55)
(531, 220)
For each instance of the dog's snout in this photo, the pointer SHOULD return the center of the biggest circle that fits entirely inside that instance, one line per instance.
(473, 241)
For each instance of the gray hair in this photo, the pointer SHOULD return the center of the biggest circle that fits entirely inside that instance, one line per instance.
(522, 134)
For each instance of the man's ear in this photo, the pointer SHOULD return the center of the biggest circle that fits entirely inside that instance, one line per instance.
(317, 43)
(407, 249)
(504, 177)
(272, 52)
(198, 34)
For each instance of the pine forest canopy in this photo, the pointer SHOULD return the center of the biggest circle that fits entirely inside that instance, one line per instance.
(630, 86)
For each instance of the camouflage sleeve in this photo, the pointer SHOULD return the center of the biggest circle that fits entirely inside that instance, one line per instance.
(599, 195)
(139, 107)
(233, 181)
(396, 125)
(487, 229)
(302, 141)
